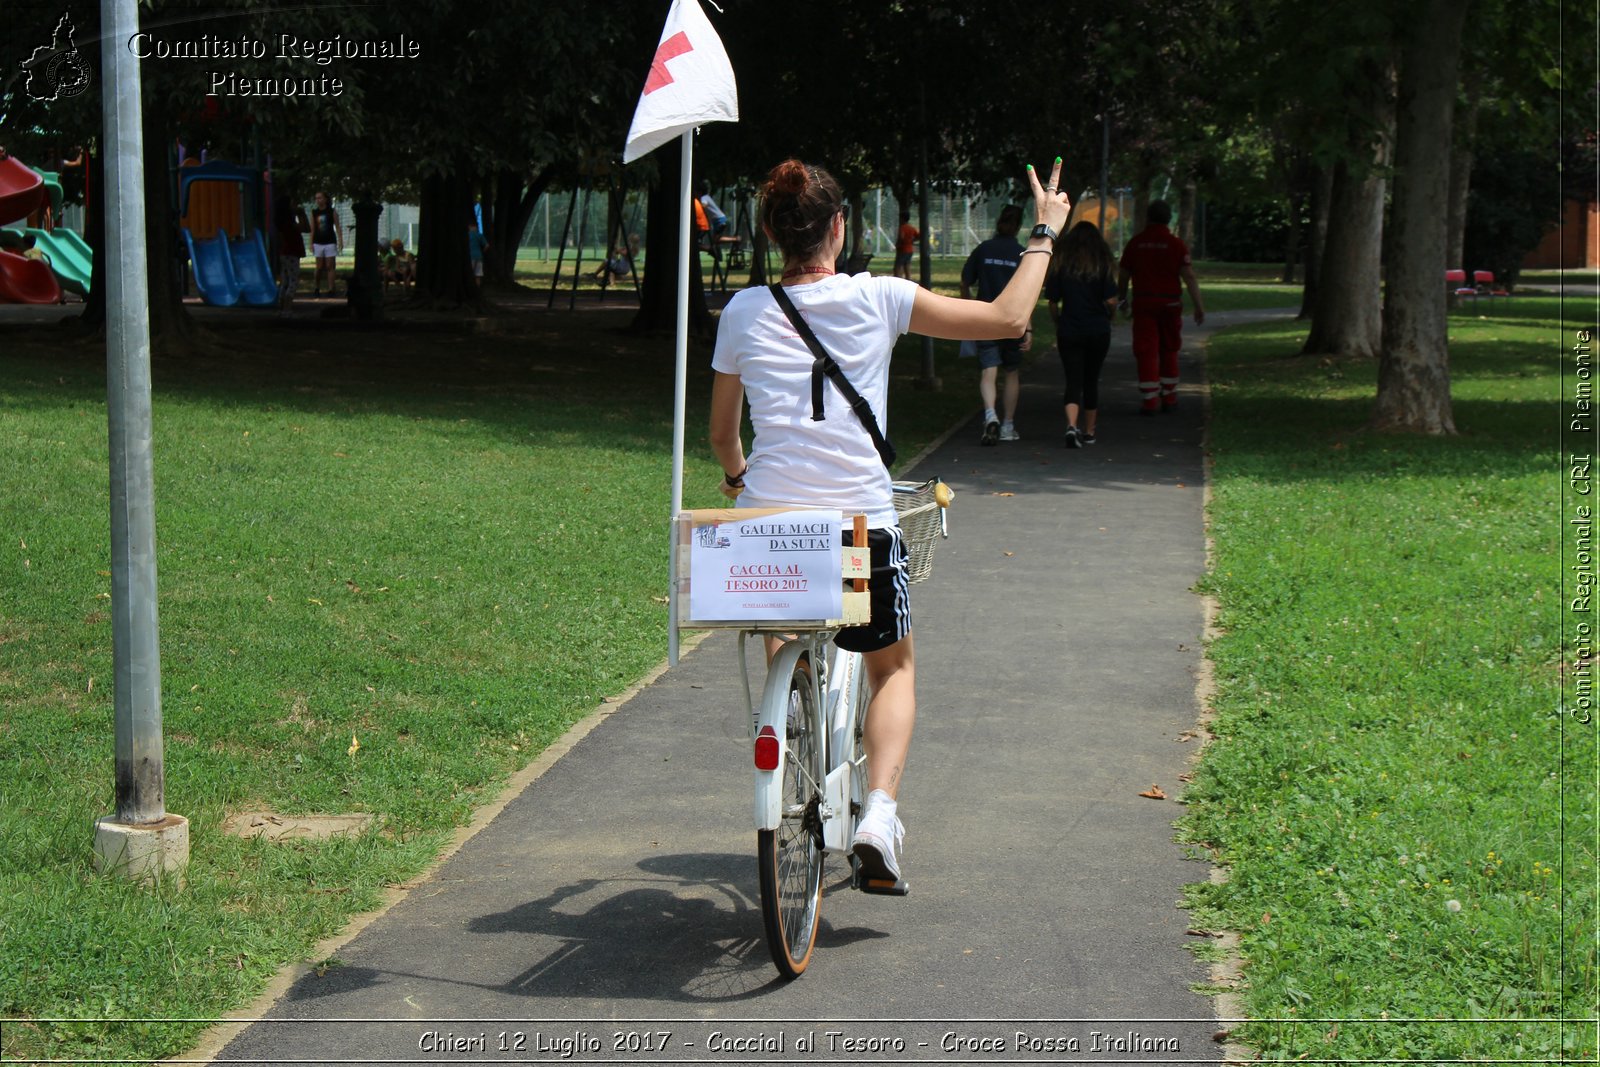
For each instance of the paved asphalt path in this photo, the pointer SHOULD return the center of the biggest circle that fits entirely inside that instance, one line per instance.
(1057, 648)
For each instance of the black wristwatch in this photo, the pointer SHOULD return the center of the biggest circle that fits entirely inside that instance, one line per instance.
(1042, 230)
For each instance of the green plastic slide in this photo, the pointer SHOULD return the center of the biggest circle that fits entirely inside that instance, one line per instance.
(71, 258)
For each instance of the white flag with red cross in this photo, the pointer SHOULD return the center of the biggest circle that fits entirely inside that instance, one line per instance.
(690, 83)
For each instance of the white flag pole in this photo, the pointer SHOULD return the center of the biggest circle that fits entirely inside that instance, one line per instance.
(680, 382)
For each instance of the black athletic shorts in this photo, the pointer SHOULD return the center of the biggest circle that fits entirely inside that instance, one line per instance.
(891, 595)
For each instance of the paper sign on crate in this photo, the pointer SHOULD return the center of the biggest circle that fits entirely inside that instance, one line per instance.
(771, 567)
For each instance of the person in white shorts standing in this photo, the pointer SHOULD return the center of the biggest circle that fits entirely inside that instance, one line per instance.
(327, 239)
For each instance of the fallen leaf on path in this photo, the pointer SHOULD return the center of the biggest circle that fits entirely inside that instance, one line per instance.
(1193, 932)
(1154, 793)
(1002, 494)
(1009, 553)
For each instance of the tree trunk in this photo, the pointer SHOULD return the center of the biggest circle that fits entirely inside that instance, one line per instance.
(444, 269)
(364, 296)
(1460, 183)
(94, 226)
(514, 202)
(758, 254)
(1346, 319)
(1293, 235)
(1187, 199)
(172, 328)
(1144, 174)
(1298, 174)
(658, 290)
(1317, 238)
(855, 261)
(1414, 369)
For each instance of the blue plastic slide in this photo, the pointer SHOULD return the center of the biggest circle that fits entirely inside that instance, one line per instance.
(252, 272)
(213, 269)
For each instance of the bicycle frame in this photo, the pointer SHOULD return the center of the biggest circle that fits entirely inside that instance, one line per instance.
(838, 681)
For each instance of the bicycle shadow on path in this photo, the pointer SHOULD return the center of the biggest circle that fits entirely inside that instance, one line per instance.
(655, 937)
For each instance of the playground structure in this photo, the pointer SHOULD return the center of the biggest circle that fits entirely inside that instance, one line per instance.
(62, 261)
(619, 262)
(620, 247)
(230, 266)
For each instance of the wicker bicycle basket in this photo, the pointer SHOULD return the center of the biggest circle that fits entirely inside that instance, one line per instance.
(921, 525)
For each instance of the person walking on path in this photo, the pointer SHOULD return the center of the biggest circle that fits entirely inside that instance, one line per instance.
(990, 268)
(823, 456)
(1156, 260)
(1082, 299)
(291, 222)
(905, 243)
(327, 240)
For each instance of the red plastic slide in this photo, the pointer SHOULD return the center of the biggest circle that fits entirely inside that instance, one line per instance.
(21, 190)
(27, 281)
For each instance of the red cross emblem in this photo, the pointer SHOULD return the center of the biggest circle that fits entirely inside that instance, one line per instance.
(660, 77)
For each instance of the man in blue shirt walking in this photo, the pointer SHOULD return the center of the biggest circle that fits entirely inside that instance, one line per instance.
(990, 268)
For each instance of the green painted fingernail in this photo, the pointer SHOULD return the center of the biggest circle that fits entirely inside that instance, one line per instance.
(1058, 159)
(1030, 166)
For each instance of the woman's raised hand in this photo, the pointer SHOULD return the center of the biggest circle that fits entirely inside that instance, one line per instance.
(1051, 205)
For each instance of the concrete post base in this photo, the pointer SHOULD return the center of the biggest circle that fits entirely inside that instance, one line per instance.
(143, 853)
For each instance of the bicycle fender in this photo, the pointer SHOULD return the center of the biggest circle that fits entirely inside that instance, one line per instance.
(774, 710)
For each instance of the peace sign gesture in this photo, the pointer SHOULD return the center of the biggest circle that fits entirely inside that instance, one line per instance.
(1050, 206)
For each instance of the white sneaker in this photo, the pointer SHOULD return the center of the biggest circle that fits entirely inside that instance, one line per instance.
(1009, 432)
(878, 838)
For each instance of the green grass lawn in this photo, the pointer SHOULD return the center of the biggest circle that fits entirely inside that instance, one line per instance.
(1407, 817)
(449, 547)
(446, 546)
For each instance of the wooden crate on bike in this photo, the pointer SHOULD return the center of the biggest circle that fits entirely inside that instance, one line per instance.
(769, 582)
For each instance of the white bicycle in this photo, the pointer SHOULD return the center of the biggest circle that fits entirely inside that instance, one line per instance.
(811, 770)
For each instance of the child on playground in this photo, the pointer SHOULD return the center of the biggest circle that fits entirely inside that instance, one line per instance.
(399, 266)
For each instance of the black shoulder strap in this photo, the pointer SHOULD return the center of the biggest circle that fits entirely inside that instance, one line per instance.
(825, 364)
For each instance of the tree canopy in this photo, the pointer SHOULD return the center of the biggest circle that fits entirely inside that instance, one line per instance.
(1282, 112)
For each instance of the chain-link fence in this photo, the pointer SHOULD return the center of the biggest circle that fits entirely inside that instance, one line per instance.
(960, 216)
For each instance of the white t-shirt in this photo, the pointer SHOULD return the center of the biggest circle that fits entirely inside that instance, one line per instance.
(795, 461)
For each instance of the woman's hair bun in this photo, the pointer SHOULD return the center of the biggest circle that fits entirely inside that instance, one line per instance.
(798, 206)
(788, 178)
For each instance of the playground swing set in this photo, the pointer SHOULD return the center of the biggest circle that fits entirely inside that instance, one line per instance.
(729, 252)
(617, 241)
(39, 260)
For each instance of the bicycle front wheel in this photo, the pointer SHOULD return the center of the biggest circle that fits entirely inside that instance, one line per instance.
(791, 856)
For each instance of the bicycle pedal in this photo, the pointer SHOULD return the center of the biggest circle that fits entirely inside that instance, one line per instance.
(897, 887)
(884, 887)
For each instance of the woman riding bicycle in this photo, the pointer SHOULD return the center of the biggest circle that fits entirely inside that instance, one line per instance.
(798, 462)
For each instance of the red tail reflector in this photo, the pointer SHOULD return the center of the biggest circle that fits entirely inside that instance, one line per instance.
(767, 749)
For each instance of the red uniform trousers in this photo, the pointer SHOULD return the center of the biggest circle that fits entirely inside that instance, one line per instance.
(1157, 337)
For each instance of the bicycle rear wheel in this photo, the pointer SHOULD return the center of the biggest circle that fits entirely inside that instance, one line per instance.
(790, 857)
